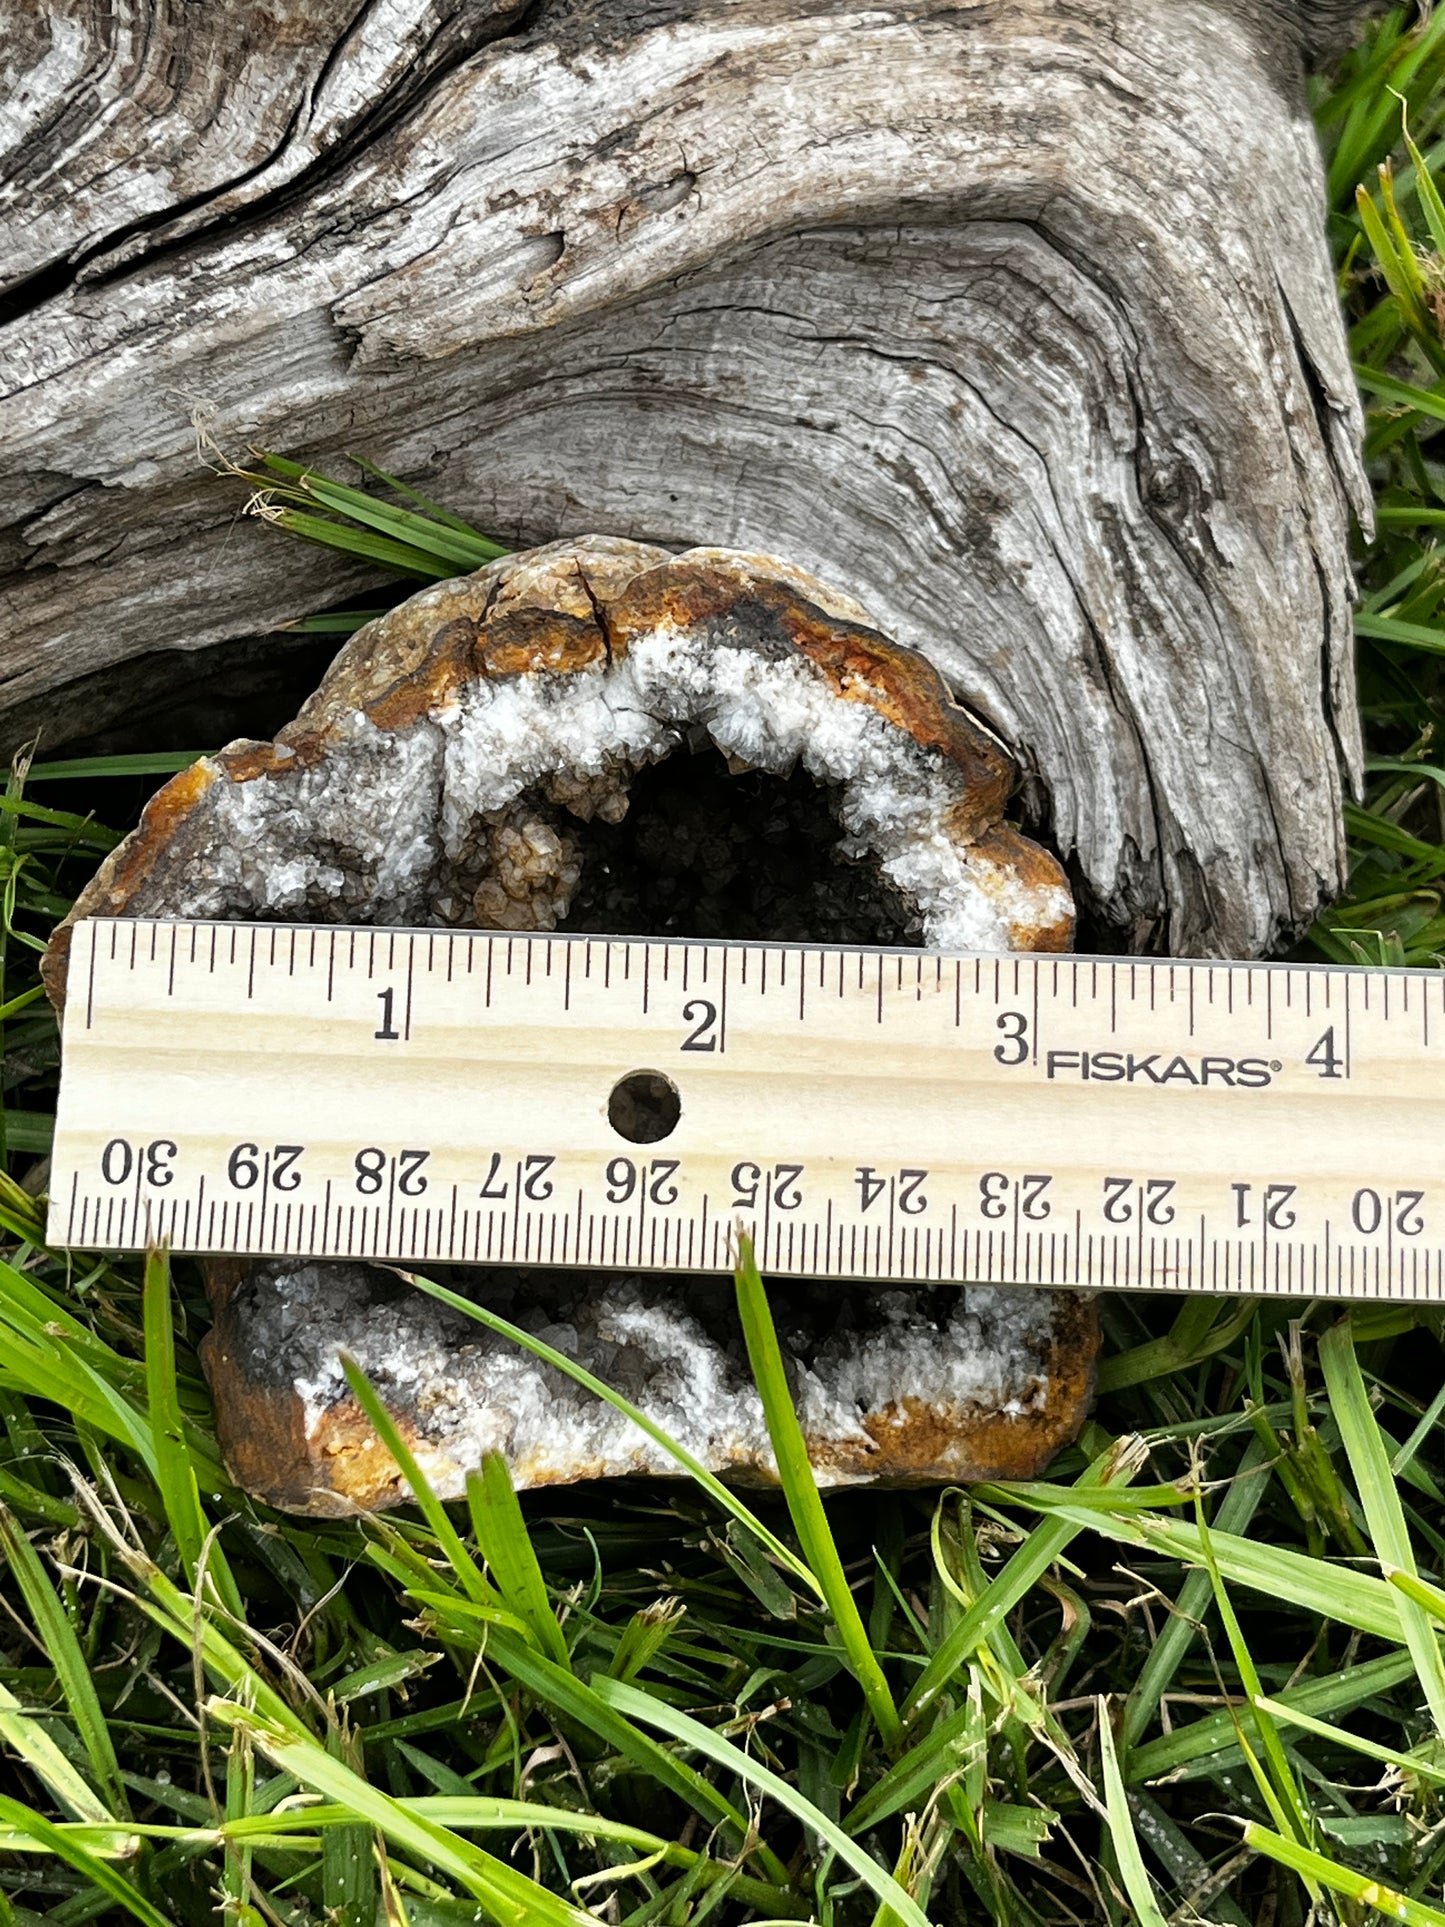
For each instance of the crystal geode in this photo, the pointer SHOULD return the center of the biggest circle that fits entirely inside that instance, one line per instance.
(598, 735)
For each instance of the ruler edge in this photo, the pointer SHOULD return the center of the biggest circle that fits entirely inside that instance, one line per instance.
(736, 945)
(86, 938)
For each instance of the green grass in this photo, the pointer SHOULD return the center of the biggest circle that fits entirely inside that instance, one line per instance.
(1382, 116)
(1195, 1673)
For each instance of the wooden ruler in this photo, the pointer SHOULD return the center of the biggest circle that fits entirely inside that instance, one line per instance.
(472, 1097)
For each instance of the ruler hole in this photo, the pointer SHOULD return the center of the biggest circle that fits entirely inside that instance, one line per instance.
(644, 1107)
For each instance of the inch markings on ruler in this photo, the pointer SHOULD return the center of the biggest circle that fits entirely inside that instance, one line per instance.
(630, 1103)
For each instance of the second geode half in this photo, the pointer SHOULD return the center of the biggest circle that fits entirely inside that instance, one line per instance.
(599, 735)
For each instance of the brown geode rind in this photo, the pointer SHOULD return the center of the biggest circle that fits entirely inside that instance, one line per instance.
(558, 614)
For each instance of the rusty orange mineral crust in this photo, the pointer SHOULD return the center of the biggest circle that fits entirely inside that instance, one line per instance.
(558, 614)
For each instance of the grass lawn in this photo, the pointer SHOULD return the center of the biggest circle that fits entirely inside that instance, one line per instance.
(1194, 1675)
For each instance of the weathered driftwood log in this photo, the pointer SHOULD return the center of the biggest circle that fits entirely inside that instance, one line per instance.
(547, 744)
(1014, 317)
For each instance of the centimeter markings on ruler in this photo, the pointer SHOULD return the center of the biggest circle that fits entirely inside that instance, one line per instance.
(895, 1116)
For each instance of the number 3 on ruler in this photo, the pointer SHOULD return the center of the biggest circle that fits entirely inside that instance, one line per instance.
(1015, 1027)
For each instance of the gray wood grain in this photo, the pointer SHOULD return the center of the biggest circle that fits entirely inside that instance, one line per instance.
(1014, 317)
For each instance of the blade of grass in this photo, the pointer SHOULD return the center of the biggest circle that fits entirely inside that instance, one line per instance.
(691, 1733)
(340, 622)
(1424, 401)
(1428, 1597)
(1369, 1461)
(350, 1891)
(175, 1472)
(510, 1897)
(54, 1840)
(30, 1131)
(72, 1672)
(1132, 1871)
(566, 1696)
(22, 1000)
(446, 1534)
(445, 536)
(1274, 1779)
(710, 1484)
(1420, 772)
(1341, 1880)
(1429, 1418)
(1341, 1736)
(800, 1489)
(83, 828)
(14, 789)
(1414, 634)
(22, 1731)
(240, 1797)
(1202, 1328)
(1427, 194)
(1117, 1464)
(160, 762)
(913, 1777)
(1216, 1733)
(1190, 1870)
(1331, 1590)
(481, 1813)
(433, 510)
(504, 1544)
(1166, 1653)
(401, 558)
